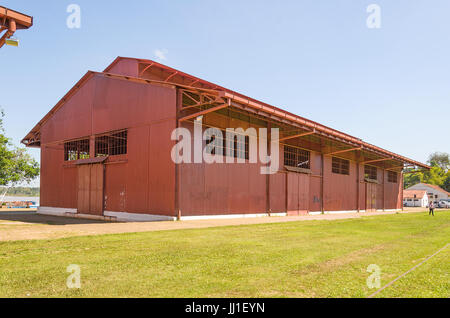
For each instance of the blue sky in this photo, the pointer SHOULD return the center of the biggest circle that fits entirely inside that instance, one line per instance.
(317, 58)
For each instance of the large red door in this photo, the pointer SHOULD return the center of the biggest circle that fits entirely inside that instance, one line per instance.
(371, 197)
(90, 189)
(298, 193)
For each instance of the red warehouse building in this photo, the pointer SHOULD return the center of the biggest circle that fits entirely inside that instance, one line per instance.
(106, 151)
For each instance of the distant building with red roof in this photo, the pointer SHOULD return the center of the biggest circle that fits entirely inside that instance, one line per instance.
(434, 192)
(417, 198)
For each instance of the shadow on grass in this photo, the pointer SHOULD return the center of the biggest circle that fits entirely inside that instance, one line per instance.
(33, 217)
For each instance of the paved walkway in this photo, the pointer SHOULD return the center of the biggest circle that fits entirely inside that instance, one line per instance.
(29, 225)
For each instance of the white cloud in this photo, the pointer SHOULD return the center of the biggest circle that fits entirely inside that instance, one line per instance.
(161, 54)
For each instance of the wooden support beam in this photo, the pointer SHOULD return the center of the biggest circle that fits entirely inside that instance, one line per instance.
(298, 135)
(170, 76)
(394, 168)
(146, 68)
(414, 171)
(198, 105)
(342, 151)
(377, 160)
(192, 98)
(204, 112)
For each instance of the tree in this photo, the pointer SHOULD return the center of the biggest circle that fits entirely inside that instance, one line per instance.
(441, 160)
(439, 174)
(446, 185)
(411, 179)
(15, 164)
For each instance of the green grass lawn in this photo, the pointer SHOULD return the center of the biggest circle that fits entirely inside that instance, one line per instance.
(292, 259)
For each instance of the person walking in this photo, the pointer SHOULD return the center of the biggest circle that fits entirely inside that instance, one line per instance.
(431, 208)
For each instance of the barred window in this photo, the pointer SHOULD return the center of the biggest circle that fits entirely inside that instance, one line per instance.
(296, 157)
(111, 144)
(392, 176)
(77, 149)
(237, 147)
(370, 172)
(340, 166)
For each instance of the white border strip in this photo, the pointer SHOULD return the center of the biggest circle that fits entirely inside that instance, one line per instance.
(334, 212)
(45, 210)
(141, 217)
(138, 217)
(351, 211)
(229, 216)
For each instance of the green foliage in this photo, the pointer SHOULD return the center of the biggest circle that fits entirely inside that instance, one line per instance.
(439, 173)
(15, 164)
(441, 160)
(24, 191)
(446, 184)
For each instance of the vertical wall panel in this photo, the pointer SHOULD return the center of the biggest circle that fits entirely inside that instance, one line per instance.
(96, 189)
(193, 195)
(137, 176)
(216, 188)
(303, 195)
(84, 178)
(257, 189)
(70, 183)
(293, 193)
(115, 187)
(238, 184)
(161, 172)
(339, 190)
(277, 192)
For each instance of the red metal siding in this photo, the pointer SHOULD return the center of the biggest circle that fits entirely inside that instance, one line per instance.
(122, 104)
(339, 190)
(298, 193)
(136, 172)
(73, 119)
(393, 196)
(115, 187)
(144, 182)
(161, 173)
(277, 192)
(126, 67)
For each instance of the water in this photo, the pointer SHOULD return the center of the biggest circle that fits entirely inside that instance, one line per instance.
(9, 199)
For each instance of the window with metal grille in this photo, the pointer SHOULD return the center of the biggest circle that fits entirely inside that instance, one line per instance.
(111, 144)
(392, 176)
(340, 166)
(237, 147)
(77, 149)
(370, 172)
(296, 157)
